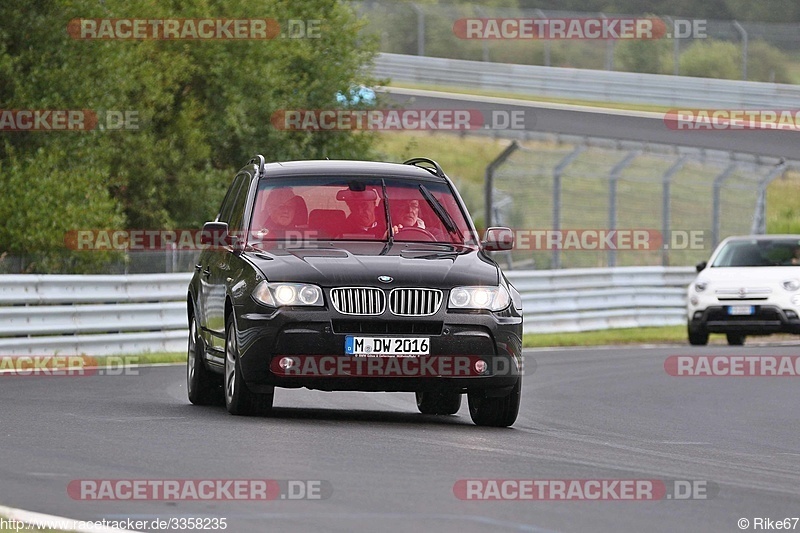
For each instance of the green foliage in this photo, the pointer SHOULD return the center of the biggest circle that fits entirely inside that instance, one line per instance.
(203, 109)
(45, 197)
(767, 63)
(712, 59)
(646, 56)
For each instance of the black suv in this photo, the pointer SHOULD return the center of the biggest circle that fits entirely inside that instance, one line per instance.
(353, 275)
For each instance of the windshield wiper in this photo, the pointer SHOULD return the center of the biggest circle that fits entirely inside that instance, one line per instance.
(441, 212)
(388, 214)
(390, 233)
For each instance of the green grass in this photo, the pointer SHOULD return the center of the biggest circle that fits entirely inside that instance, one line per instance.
(669, 335)
(532, 97)
(141, 359)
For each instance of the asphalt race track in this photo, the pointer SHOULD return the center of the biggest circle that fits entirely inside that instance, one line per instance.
(608, 414)
(595, 122)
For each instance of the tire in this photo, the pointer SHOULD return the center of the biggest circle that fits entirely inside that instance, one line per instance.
(239, 400)
(496, 412)
(735, 339)
(697, 337)
(202, 385)
(438, 403)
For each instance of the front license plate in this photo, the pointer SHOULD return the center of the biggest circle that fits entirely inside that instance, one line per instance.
(741, 310)
(397, 346)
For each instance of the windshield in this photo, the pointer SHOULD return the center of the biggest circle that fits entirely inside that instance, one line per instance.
(304, 210)
(759, 252)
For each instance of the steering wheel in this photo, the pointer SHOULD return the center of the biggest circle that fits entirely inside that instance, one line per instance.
(412, 230)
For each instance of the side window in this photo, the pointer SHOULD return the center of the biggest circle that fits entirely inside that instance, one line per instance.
(226, 210)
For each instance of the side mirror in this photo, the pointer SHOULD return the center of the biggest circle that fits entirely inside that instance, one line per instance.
(215, 235)
(498, 239)
(701, 266)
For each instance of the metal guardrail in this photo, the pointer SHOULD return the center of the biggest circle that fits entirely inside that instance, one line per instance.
(603, 298)
(110, 315)
(592, 85)
(92, 315)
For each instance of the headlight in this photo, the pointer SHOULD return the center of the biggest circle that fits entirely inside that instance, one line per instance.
(791, 284)
(490, 298)
(700, 286)
(286, 294)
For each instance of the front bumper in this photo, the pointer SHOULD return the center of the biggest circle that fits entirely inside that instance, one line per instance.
(320, 332)
(766, 319)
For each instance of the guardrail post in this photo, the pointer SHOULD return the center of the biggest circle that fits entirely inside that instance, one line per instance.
(759, 217)
(666, 215)
(489, 180)
(555, 260)
(613, 178)
(420, 29)
(743, 33)
(715, 202)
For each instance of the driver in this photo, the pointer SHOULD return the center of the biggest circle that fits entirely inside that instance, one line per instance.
(282, 205)
(406, 214)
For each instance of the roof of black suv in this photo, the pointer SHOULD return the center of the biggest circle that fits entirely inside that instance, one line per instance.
(361, 168)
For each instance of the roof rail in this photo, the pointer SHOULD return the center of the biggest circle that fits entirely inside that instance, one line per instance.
(417, 160)
(258, 160)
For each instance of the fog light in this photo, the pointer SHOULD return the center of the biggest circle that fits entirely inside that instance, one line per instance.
(693, 300)
(791, 314)
(481, 366)
(286, 363)
(698, 315)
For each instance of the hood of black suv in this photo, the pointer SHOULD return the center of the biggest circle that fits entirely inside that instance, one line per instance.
(333, 264)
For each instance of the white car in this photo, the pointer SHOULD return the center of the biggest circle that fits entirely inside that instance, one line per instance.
(750, 286)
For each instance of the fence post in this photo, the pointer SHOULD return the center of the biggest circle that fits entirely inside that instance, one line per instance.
(420, 29)
(759, 217)
(555, 260)
(715, 202)
(539, 13)
(609, 50)
(613, 177)
(479, 10)
(676, 47)
(743, 33)
(666, 215)
(489, 180)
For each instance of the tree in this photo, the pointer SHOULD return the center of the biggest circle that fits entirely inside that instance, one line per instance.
(202, 109)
